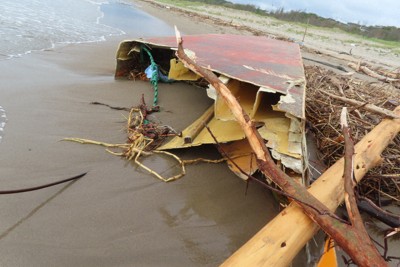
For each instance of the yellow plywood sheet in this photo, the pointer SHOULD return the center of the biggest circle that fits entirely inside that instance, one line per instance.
(245, 93)
(272, 95)
(179, 72)
(242, 158)
(255, 101)
(224, 131)
(277, 126)
(276, 131)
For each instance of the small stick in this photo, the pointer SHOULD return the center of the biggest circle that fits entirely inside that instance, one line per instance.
(198, 125)
(15, 191)
(112, 107)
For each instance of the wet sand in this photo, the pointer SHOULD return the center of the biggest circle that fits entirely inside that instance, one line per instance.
(117, 215)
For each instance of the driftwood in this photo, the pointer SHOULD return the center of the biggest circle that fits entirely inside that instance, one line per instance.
(366, 106)
(351, 241)
(348, 175)
(198, 125)
(369, 72)
(367, 206)
(323, 117)
(394, 74)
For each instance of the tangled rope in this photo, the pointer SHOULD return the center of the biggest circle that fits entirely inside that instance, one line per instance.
(144, 137)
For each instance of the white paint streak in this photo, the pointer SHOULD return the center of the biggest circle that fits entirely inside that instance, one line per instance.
(268, 72)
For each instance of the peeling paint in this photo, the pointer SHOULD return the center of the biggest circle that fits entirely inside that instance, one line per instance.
(211, 92)
(268, 72)
(288, 99)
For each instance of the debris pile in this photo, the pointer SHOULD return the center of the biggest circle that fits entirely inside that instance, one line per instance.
(381, 184)
(269, 87)
(143, 137)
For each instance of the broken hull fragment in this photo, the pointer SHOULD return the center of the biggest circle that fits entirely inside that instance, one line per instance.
(265, 75)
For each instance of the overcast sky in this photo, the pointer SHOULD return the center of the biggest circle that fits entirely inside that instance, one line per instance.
(367, 12)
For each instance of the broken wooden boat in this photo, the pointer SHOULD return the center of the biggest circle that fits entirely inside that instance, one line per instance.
(265, 75)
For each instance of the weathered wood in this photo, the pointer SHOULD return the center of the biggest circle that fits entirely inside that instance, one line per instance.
(366, 106)
(350, 200)
(292, 226)
(371, 73)
(391, 219)
(194, 129)
(318, 212)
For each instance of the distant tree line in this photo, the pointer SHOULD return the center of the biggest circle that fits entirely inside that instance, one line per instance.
(389, 33)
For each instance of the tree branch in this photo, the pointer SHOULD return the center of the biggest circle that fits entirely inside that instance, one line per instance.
(348, 175)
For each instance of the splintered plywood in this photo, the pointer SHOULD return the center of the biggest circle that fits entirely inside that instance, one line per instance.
(242, 161)
(245, 94)
(224, 131)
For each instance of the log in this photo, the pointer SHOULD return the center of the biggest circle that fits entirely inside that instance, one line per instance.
(292, 227)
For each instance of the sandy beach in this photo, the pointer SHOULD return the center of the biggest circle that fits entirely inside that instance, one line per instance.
(117, 215)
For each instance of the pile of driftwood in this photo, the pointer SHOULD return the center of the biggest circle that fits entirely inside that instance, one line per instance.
(327, 93)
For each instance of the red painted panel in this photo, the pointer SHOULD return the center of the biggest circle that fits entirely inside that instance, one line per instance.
(258, 60)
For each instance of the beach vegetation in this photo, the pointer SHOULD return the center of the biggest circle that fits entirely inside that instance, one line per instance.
(387, 33)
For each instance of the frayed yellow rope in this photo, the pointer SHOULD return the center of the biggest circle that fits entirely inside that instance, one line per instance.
(138, 145)
(133, 152)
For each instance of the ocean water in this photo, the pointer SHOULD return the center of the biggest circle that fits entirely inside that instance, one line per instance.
(31, 25)
(35, 25)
